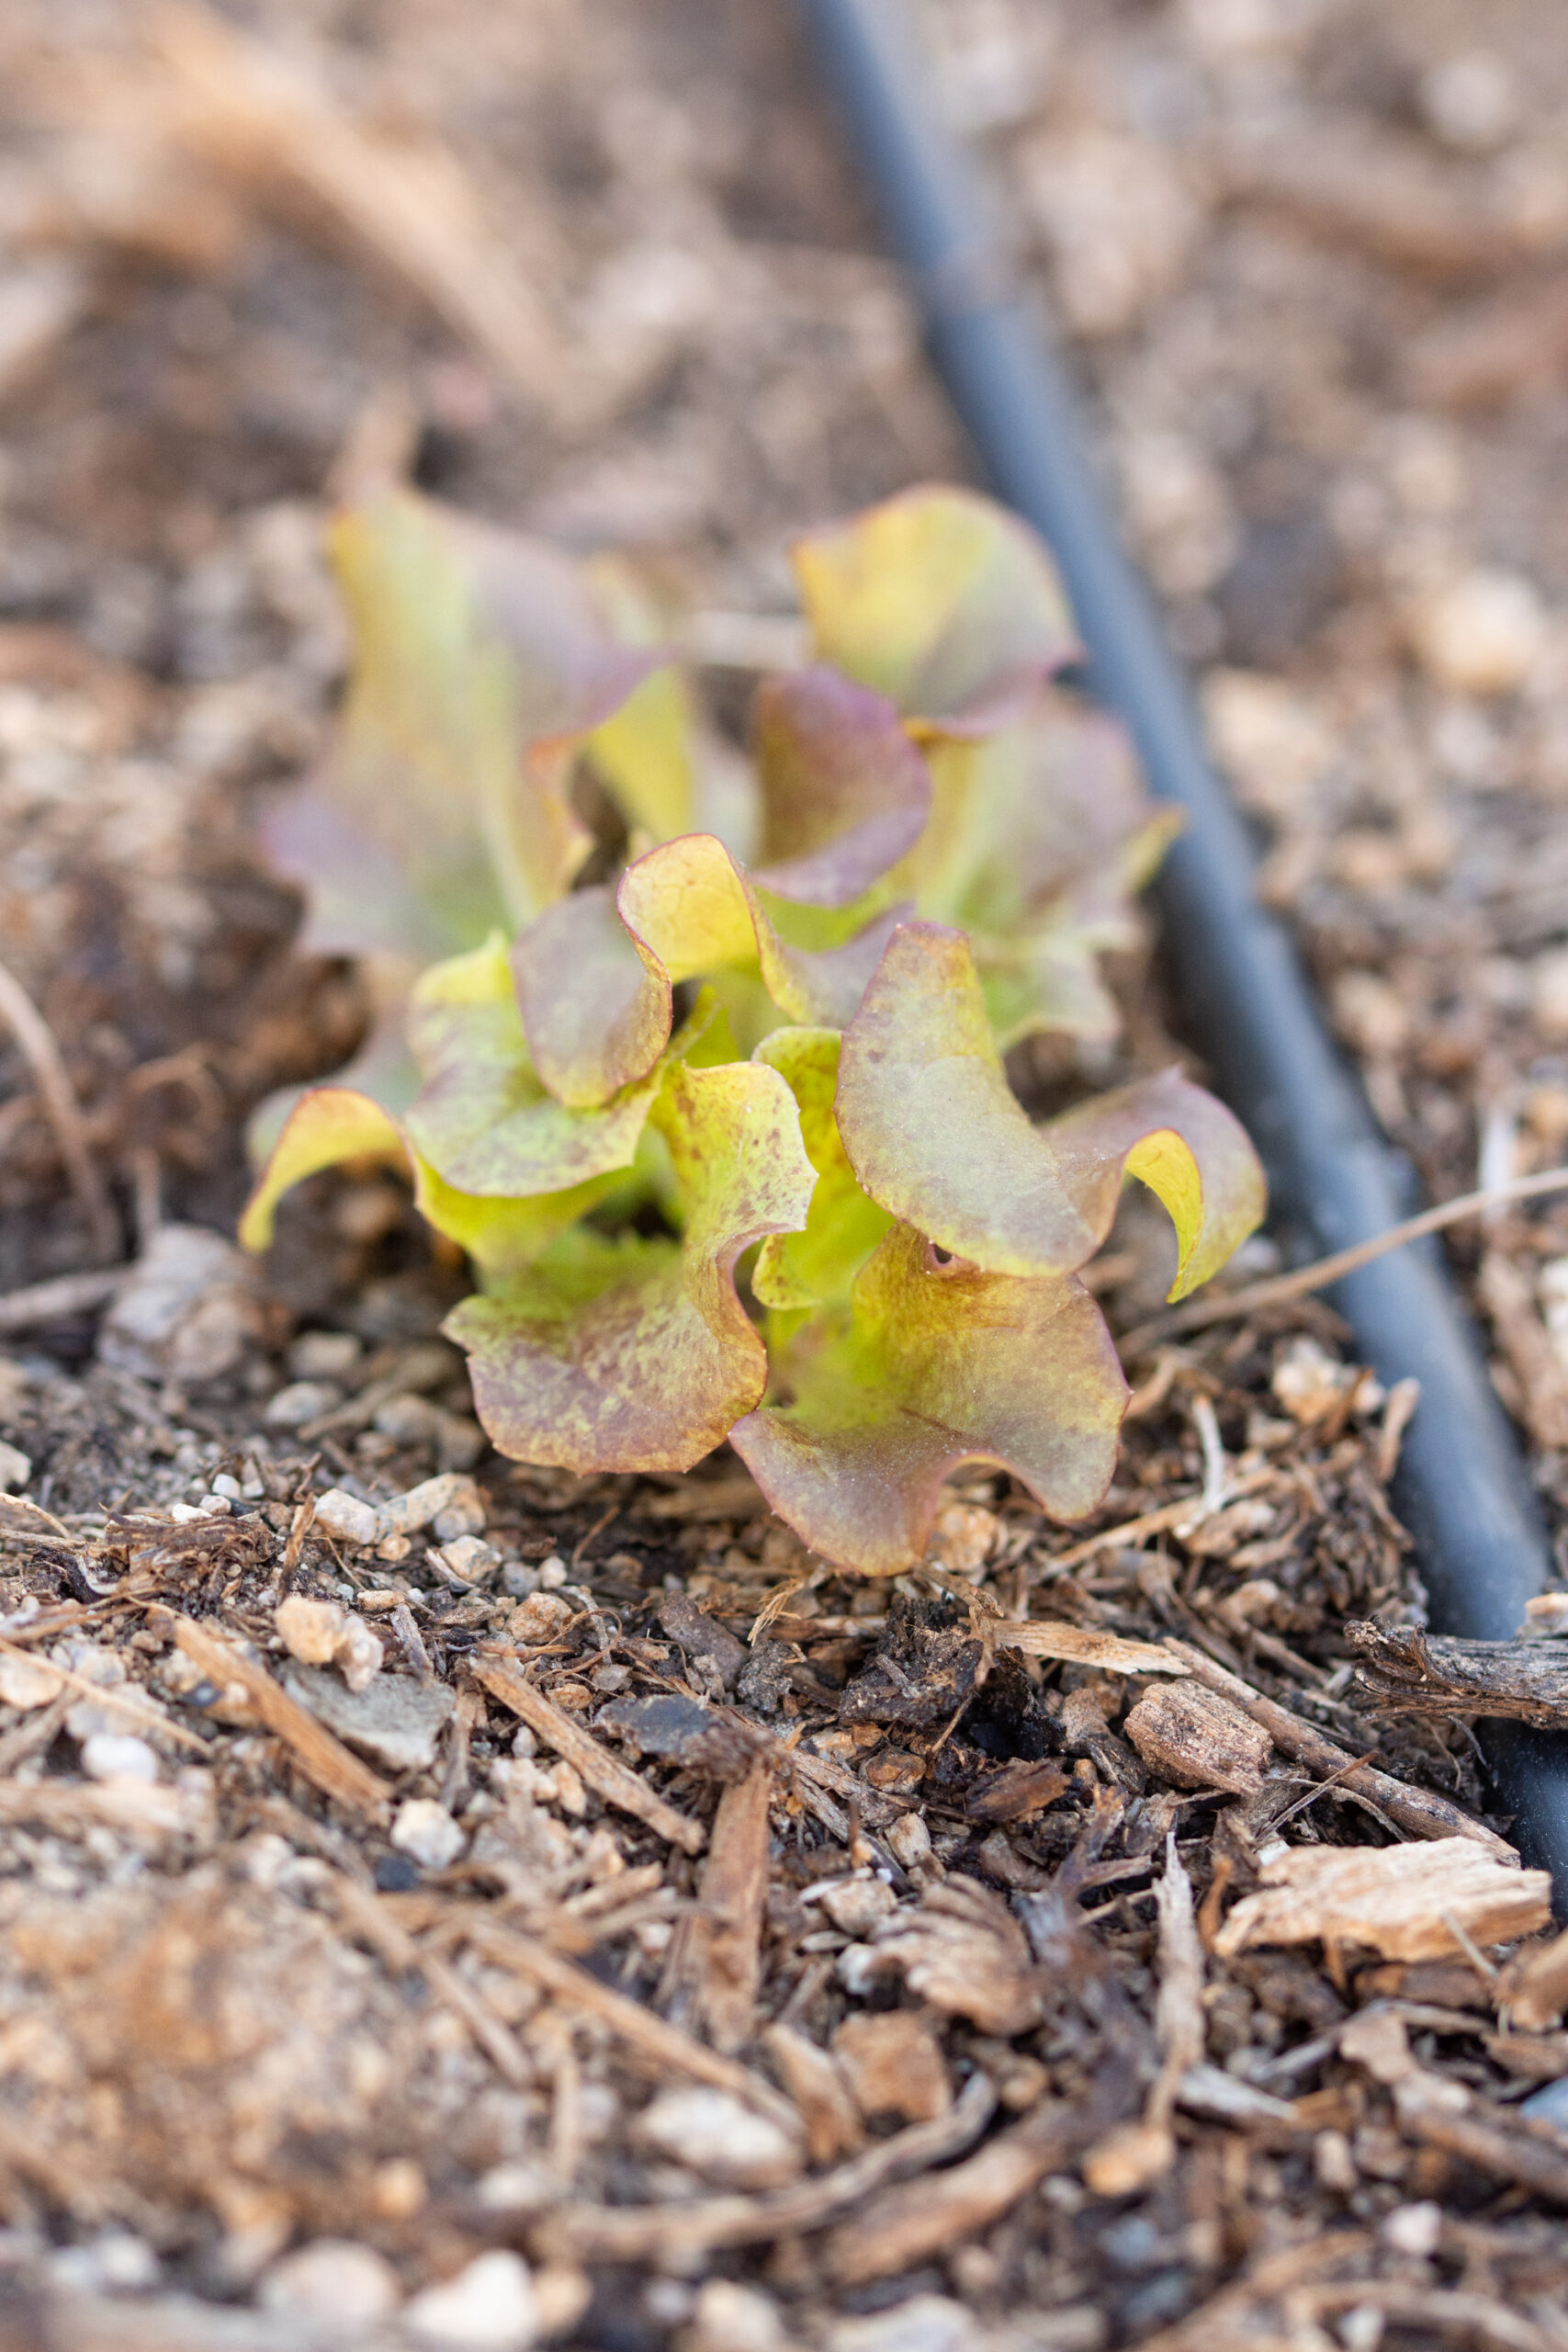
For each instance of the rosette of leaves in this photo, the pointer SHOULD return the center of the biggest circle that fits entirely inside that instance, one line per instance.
(728, 1138)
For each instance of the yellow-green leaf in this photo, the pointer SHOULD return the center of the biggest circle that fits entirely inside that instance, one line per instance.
(482, 1119)
(817, 1266)
(941, 600)
(480, 660)
(637, 1354)
(935, 1135)
(596, 991)
(936, 1365)
(329, 1124)
(502, 1237)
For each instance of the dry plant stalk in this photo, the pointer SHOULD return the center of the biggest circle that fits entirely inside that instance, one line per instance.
(36, 1040)
(1086, 1645)
(322, 1758)
(604, 1773)
(1134, 2156)
(1411, 1673)
(896, 2229)
(663, 2045)
(629, 2233)
(719, 1964)
(1418, 1812)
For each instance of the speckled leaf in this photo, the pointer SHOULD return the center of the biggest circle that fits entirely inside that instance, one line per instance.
(845, 793)
(482, 1119)
(502, 1237)
(941, 600)
(480, 659)
(637, 1354)
(1040, 837)
(596, 1009)
(938, 1366)
(844, 1226)
(595, 992)
(329, 1124)
(935, 1135)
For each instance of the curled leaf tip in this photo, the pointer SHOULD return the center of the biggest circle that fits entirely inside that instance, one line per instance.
(596, 980)
(327, 1125)
(935, 1135)
(482, 1119)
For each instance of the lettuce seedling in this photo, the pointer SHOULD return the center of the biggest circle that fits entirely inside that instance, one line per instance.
(728, 1139)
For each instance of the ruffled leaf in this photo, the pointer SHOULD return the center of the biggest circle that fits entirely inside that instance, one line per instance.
(941, 600)
(936, 1366)
(596, 990)
(637, 1354)
(482, 1119)
(1040, 838)
(935, 1135)
(845, 794)
(502, 1237)
(843, 1226)
(481, 659)
(327, 1125)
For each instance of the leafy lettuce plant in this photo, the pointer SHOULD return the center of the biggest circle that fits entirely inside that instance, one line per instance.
(726, 1134)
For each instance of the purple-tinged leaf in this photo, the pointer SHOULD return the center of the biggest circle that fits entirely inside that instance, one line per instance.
(845, 794)
(482, 1119)
(935, 1135)
(936, 1365)
(941, 600)
(637, 1354)
(596, 1009)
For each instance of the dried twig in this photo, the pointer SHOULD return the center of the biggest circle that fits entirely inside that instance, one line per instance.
(720, 1961)
(1419, 1812)
(53, 1302)
(1186, 1512)
(896, 2228)
(320, 1757)
(366, 1916)
(615, 1781)
(1411, 1673)
(36, 1039)
(1276, 1290)
(664, 2046)
(1085, 1645)
(629, 2233)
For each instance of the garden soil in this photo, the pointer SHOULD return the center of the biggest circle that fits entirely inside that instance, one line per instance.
(448, 1903)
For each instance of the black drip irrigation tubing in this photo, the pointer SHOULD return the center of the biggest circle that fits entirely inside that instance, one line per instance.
(1462, 1486)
